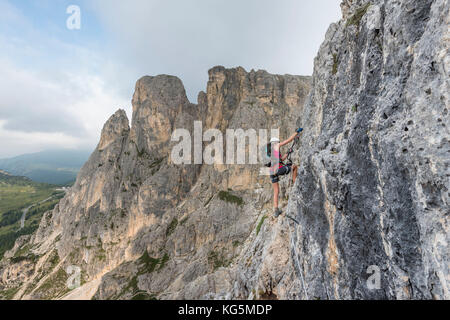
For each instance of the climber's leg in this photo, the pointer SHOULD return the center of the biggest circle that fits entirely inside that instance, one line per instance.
(294, 173)
(276, 191)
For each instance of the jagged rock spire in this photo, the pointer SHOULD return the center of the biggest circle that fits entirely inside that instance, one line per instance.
(116, 126)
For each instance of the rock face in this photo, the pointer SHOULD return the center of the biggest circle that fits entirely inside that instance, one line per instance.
(371, 201)
(374, 181)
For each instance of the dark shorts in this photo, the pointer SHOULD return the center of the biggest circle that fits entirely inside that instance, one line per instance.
(284, 170)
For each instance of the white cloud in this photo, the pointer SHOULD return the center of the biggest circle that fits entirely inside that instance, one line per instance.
(13, 143)
(186, 38)
(67, 110)
(57, 92)
(52, 93)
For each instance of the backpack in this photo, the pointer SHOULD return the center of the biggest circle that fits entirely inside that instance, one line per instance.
(266, 155)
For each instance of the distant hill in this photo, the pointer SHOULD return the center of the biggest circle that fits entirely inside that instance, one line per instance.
(52, 166)
(19, 192)
(8, 178)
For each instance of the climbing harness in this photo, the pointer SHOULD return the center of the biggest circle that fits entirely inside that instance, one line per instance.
(289, 162)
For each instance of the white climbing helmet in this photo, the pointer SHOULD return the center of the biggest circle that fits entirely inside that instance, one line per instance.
(274, 140)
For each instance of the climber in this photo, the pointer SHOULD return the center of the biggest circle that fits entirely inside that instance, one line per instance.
(278, 168)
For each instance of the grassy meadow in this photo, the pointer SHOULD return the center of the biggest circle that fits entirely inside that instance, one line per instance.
(16, 194)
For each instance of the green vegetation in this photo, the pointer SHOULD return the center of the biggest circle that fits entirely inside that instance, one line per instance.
(10, 217)
(55, 286)
(20, 192)
(355, 20)
(24, 253)
(152, 264)
(131, 286)
(163, 262)
(228, 197)
(142, 295)
(258, 227)
(8, 294)
(172, 226)
(54, 259)
(44, 206)
(9, 237)
(136, 294)
(335, 63)
(217, 260)
(148, 262)
(16, 194)
(50, 264)
(355, 108)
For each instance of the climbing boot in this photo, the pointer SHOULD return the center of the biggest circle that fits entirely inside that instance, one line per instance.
(276, 212)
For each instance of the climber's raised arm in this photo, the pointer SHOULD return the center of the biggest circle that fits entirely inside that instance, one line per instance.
(291, 138)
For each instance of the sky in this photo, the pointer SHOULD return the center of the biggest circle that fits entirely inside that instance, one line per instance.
(58, 86)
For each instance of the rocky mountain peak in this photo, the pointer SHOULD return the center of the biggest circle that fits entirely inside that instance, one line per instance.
(157, 102)
(116, 126)
(159, 93)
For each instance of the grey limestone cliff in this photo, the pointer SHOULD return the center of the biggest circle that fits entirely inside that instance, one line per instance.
(374, 180)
